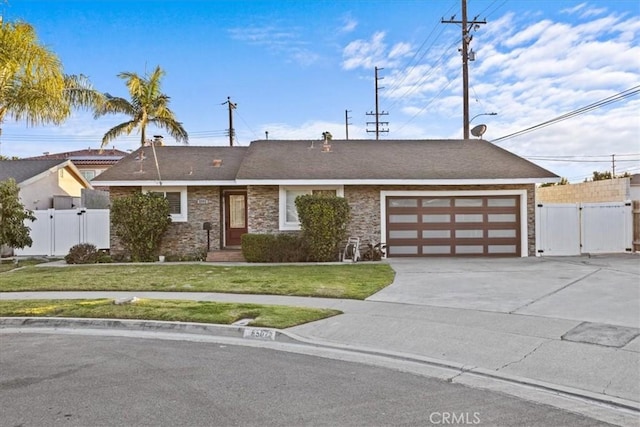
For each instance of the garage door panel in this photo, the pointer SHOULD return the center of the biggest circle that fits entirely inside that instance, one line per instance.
(453, 226)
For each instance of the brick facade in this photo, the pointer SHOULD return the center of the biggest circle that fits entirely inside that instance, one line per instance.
(609, 190)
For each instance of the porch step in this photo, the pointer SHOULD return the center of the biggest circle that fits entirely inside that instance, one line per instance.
(225, 255)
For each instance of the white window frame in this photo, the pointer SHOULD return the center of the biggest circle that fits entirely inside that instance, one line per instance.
(182, 216)
(307, 189)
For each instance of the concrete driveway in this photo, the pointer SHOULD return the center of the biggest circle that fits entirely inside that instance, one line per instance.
(601, 289)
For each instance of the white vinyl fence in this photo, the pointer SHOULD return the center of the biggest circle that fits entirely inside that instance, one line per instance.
(578, 228)
(54, 232)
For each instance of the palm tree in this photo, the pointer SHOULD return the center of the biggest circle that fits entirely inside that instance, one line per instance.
(33, 85)
(148, 105)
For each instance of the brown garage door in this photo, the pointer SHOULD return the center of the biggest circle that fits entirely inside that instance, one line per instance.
(453, 226)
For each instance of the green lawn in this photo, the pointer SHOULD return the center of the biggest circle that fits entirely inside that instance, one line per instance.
(272, 316)
(352, 281)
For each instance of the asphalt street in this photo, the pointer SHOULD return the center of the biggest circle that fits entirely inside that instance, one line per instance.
(92, 380)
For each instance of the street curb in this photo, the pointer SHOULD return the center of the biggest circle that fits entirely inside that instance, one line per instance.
(271, 334)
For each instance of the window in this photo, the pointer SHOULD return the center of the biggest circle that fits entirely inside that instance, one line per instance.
(88, 175)
(177, 197)
(289, 213)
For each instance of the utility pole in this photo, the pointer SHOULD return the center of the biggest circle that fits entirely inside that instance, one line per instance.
(232, 107)
(467, 26)
(378, 113)
(346, 123)
(613, 166)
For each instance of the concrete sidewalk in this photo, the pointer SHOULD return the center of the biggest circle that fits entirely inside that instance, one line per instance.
(563, 323)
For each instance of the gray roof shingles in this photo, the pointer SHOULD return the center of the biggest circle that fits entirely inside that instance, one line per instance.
(24, 169)
(385, 160)
(347, 160)
(177, 163)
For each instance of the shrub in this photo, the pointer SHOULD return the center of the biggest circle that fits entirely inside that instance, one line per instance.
(283, 247)
(323, 220)
(84, 253)
(140, 220)
(13, 231)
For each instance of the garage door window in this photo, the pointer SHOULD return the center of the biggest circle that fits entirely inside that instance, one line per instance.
(436, 203)
(472, 203)
(403, 234)
(468, 217)
(404, 203)
(403, 218)
(502, 217)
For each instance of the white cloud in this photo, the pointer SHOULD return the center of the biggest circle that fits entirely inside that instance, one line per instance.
(348, 24)
(276, 40)
(312, 130)
(373, 52)
(364, 53)
(400, 50)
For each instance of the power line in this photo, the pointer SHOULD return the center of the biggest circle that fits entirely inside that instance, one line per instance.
(578, 161)
(413, 63)
(598, 104)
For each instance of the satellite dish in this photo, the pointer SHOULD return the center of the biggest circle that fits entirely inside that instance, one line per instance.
(479, 130)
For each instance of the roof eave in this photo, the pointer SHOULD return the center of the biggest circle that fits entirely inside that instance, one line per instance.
(166, 183)
(486, 181)
(307, 182)
(54, 169)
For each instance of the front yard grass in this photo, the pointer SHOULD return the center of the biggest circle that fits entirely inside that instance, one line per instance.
(351, 281)
(271, 316)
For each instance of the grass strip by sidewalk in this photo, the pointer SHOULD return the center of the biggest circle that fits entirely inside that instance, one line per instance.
(271, 316)
(352, 281)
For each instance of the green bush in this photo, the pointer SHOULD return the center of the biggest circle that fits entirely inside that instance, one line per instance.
(13, 231)
(323, 220)
(84, 253)
(283, 247)
(139, 221)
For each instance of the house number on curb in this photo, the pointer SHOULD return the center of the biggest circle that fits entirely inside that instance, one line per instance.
(262, 334)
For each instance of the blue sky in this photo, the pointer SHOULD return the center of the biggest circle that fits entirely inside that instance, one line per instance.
(294, 67)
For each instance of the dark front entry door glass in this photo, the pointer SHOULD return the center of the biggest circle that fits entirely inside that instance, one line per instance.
(235, 218)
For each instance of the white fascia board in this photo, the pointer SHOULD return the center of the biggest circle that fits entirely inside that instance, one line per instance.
(156, 183)
(54, 169)
(313, 182)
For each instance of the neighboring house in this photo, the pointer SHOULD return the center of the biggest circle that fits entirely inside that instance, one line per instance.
(46, 184)
(420, 197)
(90, 162)
(606, 190)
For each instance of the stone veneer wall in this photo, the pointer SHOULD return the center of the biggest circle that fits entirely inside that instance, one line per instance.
(609, 190)
(365, 208)
(184, 238)
(263, 207)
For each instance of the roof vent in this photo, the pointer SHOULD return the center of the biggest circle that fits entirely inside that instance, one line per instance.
(217, 163)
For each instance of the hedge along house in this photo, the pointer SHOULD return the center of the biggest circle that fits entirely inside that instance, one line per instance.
(420, 197)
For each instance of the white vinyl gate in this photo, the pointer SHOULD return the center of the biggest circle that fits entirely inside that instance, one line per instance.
(55, 231)
(570, 229)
